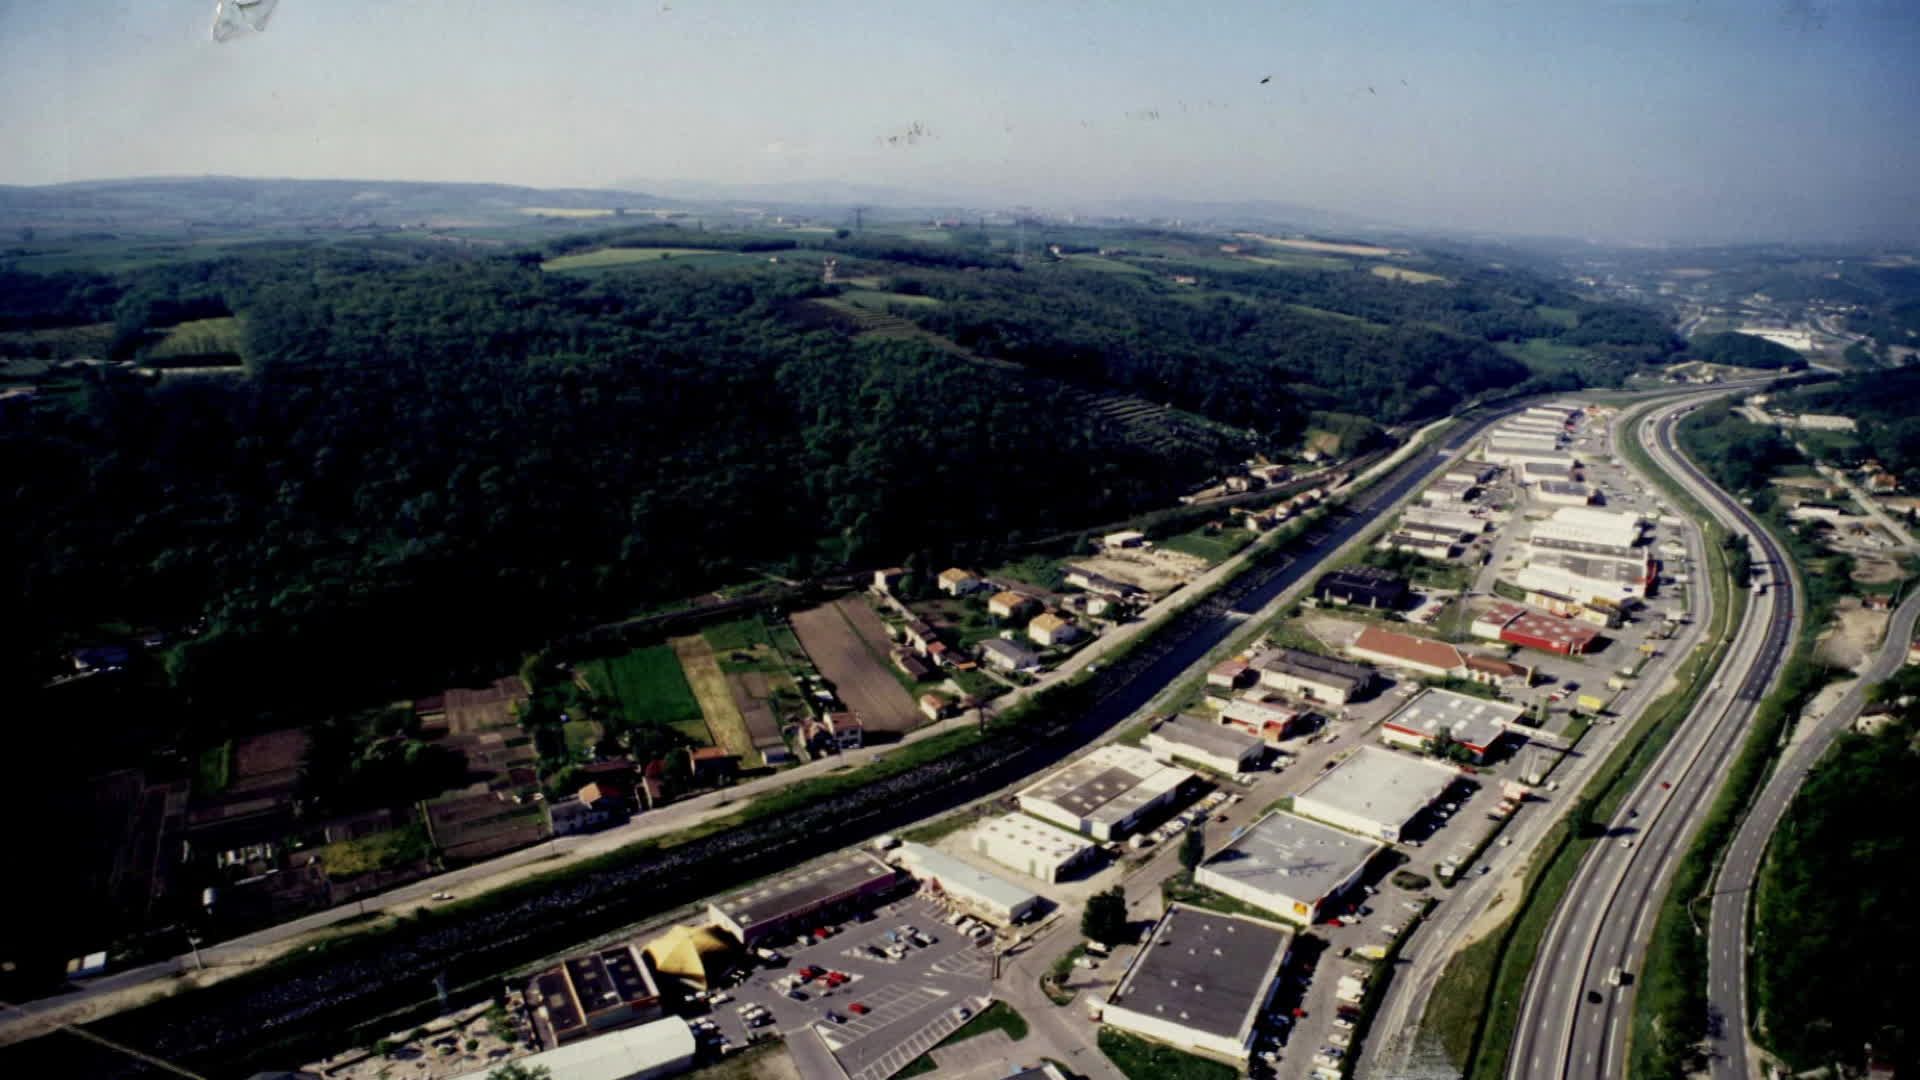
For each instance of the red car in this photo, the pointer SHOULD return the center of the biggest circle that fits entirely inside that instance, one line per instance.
(835, 978)
(858, 1009)
(810, 973)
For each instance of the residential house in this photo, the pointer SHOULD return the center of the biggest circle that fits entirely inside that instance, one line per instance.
(885, 580)
(1008, 655)
(920, 634)
(933, 706)
(1048, 630)
(957, 582)
(1008, 604)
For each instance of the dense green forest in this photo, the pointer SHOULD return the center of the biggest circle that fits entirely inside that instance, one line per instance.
(1836, 953)
(439, 459)
(1745, 350)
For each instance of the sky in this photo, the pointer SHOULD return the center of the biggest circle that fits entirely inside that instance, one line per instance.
(1635, 122)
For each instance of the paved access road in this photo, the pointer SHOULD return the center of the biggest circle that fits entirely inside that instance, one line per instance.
(1574, 1018)
(1733, 889)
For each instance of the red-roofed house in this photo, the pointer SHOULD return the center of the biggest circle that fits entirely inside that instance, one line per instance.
(1227, 673)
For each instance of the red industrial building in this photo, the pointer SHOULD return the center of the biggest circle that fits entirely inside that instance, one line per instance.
(1516, 625)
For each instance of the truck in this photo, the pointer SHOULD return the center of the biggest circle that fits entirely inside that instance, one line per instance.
(1592, 703)
(1616, 683)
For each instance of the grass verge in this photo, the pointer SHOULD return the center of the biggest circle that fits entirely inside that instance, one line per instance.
(1139, 1059)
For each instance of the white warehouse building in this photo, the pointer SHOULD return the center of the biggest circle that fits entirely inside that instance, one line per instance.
(1104, 794)
(1288, 865)
(1034, 848)
(1375, 792)
(989, 894)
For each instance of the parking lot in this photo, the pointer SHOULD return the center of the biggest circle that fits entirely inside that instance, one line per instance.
(885, 1002)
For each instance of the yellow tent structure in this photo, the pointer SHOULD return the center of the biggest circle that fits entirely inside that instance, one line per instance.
(695, 955)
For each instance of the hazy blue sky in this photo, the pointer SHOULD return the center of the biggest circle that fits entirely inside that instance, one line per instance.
(1616, 121)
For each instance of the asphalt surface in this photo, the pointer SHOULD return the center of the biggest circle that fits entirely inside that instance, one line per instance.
(1574, 1020)
(1733, 888)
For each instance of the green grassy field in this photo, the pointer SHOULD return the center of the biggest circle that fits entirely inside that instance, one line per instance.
(351, 858)
(214, 339)
(609, 258)
(1139, 1059)
(1216, 547)
(1411, 277)
(581, 736)
(744, 634)
(880, 300)
(1559, 316)
(213, 769)
(1545, 357)
(650, 689)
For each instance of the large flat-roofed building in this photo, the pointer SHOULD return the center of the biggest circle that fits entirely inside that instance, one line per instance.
(842, 883)
(1375, 792)
(1602, 530)
(588, 995)
(1472, 722)
(1220, 748)
(1536, 471)
(1362, 586)
(1032, 847)
(1587, 578)
(1288, 865)
(1314, 677)
(1517, 457)
(1105, 793)
(659, 1049)
(989, 894)
(1201, 982)
(1461, 526)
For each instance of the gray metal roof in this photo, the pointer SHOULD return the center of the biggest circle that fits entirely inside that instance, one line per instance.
(1289, 856)
(1204, 970)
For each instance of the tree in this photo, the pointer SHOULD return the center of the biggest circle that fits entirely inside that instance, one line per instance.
(1193, 849)
(515, 1071)
(1105, 919)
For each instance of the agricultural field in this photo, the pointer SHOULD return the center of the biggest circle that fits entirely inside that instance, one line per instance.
(1326, 247)
(565, 212)
(710, 688)
(611, 258)
(966, 621)
(650, 689)
(849, 644)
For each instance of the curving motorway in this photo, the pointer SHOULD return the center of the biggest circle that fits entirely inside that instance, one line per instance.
(1573, 1020)
(1728, 1022)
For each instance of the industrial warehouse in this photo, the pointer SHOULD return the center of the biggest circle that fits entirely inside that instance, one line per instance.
(787, 901)
(969, 886)
(1201, 982)
(1223, 749)
(1473, 723)
(1032, 847)
(1316, 678)
(1516, 625)
(1288, 865)
(586, 995)
(1375, 792)
(1105, 793)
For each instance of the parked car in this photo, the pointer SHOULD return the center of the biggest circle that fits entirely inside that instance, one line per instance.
(835, 1017)
(858, 1009)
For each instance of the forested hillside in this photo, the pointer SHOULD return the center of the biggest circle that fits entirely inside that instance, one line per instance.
(1887, 407)
(439, 459)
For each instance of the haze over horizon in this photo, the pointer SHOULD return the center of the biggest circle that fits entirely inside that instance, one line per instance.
(1633, 123)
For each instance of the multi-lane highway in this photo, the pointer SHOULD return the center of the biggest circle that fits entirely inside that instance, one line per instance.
(1733, 888)
(1579, 998)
